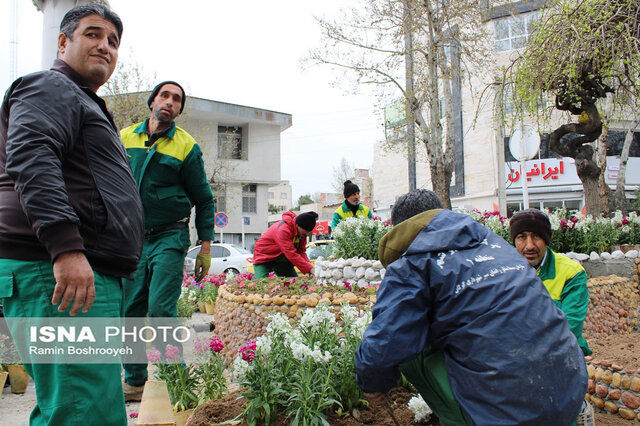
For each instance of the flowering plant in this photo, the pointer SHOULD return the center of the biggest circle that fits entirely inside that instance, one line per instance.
(359, 237)
(210, 369)
(420, 409)
(574, 232)
(302, 368)
(180, 377)
(296, 285)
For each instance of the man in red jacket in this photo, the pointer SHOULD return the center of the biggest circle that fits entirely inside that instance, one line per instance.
(283, 246)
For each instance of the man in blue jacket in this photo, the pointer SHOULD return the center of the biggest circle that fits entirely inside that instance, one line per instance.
(462, 315)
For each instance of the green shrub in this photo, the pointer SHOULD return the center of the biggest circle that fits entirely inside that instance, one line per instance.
(359, 237)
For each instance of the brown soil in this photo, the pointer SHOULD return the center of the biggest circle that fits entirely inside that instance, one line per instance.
(215, 412)
(622, 349)
(302, 285)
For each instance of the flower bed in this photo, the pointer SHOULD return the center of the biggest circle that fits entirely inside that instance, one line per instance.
(243, 304)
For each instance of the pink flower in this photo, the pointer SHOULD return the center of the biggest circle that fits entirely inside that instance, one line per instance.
(216, 344)
(251, 284)
(346, 285)
(133, 415)
(625, 221)
(248, 351)
(313, 288)
(241, 284)
(275, 288)
(271, 275)
(199, 346)
(154, 356)
(172, 353)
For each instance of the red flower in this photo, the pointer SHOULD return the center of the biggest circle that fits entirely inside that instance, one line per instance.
(216, 345)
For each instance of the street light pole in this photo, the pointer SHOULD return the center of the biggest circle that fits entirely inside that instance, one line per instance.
(408, 68)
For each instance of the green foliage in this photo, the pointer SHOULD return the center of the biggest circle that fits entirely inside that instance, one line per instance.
(359, 237)
(578, 47)
(273, 209)
(635, 204)
(303, 369)
(305, 199)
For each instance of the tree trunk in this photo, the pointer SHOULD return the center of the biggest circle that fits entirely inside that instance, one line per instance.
(620, 198)
(601, 161)
(579, 148)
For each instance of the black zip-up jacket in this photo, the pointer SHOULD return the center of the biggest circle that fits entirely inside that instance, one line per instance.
(65, 182)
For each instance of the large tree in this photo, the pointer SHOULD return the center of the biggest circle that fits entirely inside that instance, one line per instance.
(406, 48)
(585, 55)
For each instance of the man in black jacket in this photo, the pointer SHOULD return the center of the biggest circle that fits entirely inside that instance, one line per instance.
(70, 216)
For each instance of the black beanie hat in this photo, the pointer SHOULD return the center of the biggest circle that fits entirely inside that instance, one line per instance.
(531, 220)
(307, 220)
(156, 89)
(350, 188)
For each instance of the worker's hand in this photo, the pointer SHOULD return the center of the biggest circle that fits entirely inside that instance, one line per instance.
(203, 263)
(74, 283)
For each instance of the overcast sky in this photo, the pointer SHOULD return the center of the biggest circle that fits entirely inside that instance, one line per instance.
(244, 52)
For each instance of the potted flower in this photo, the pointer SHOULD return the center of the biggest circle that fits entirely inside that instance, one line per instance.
(180, 378)
(210, 294)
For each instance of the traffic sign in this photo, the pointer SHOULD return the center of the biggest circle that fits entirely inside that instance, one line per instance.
(221, 220)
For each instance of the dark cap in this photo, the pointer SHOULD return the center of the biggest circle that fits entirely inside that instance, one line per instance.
(350, 188)
(307, 220)
(531, 220)
(156, 90)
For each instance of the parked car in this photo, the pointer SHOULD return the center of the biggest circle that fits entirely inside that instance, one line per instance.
(227, 259)
(314, 250)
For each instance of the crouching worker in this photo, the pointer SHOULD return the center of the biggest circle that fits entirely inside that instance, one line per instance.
(283, 246)
(462, 315)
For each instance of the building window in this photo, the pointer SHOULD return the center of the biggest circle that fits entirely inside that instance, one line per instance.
(512, 32)
(283, 195)
(270, 195)
(230, 143)
(249, 198)
(220, 197)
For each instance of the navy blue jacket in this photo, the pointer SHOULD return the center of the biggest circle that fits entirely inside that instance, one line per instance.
(509, 353)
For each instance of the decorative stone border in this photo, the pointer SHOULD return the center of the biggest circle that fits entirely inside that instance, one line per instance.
(241, 317)
(356, 271)
(613, 389)
(613, 306)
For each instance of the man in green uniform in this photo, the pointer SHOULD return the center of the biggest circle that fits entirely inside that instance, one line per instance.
(565, 279)
(351, 206)
(168, 167)
(71, 224)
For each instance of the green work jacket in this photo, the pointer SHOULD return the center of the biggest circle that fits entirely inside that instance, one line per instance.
(171, 178)
(344, 212)
(566, 282)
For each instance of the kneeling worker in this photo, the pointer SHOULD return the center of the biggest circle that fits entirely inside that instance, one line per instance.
(283, 246)
(466, 320)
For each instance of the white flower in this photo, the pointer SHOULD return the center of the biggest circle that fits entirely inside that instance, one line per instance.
(240, 369)
(264, 344)
(420, 409)
(320, 317)
(300, 351)
(278, 323)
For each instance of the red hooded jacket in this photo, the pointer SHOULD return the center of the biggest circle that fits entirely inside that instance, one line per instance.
(278, 240)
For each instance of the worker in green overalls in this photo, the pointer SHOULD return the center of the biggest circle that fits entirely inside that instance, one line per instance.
(168, 167)
(351, 206)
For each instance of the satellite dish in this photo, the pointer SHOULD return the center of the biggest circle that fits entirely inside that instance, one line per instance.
(524, 143)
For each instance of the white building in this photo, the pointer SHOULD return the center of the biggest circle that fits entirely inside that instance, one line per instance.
(486, 177)
(241, 151)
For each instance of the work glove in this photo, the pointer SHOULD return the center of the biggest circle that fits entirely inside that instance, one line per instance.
(203, 263)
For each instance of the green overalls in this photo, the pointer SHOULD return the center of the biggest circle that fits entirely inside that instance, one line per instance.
(170, 174)
(67, 394)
